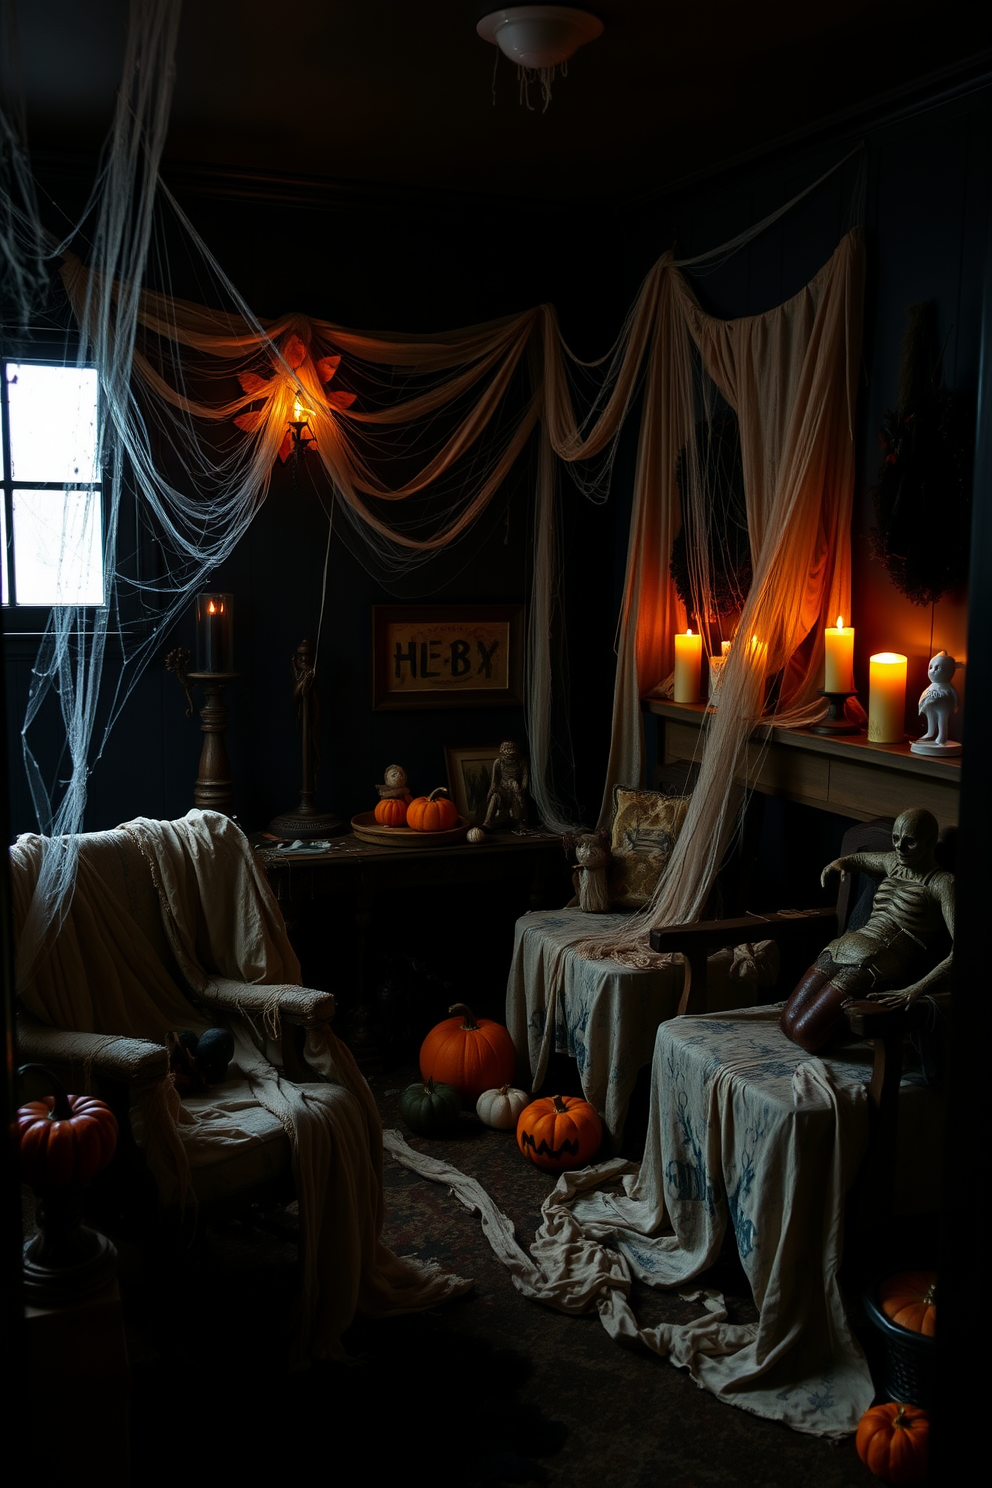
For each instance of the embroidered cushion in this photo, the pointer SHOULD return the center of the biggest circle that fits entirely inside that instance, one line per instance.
(646, 824)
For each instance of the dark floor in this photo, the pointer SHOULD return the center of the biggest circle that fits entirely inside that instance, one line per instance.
(488, 1389)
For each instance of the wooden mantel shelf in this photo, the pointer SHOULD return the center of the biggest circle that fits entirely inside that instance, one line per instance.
(844, 774)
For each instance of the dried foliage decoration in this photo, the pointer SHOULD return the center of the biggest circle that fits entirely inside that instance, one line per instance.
(922, 494)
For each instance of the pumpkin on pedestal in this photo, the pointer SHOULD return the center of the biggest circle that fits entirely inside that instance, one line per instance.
(559, 1133)
(433, 813)
(893, 1440)
(473, 1054)
(64, 1138)
(430, 1109)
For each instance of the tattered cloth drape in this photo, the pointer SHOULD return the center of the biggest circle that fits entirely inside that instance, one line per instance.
(791, 376)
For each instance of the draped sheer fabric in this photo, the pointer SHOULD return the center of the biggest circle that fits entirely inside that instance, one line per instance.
(198, 399)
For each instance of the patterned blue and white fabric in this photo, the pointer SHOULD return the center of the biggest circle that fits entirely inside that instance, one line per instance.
(600, 1013)
(751, 1137)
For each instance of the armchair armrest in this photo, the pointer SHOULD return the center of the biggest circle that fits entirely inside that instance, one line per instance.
(105, 1056)
(304, 1005)
(695, 942)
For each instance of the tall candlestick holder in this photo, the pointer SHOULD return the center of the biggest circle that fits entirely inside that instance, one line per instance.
(306, 822)
(836, 721)
(214, 789)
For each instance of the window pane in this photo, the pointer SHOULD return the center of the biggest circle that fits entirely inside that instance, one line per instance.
(53, 433)
(57, 550)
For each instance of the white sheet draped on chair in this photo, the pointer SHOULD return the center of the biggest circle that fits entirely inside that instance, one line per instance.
(104, 973)
(602, 1014)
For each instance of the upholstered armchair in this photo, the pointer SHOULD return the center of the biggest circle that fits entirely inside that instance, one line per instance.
(171, 927)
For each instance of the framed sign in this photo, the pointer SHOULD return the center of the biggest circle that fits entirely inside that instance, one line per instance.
(447, 656)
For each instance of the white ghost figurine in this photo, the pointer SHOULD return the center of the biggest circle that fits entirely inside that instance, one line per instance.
(937, 703)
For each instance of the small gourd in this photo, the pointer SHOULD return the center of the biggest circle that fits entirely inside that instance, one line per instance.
(434, 813)
(476, 834)
(430, 1109)
(501, 1108)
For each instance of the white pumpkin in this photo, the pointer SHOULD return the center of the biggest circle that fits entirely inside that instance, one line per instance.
(501, 1108)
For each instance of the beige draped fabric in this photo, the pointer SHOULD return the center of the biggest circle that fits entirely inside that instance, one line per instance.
(103, 975)
(791, 376)
(461, 407)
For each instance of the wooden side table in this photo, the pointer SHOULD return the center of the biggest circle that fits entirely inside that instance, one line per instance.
(355, 901)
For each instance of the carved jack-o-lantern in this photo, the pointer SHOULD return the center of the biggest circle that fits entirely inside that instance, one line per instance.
(559, 1132)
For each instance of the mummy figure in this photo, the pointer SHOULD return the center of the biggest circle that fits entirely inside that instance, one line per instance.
(913, 904)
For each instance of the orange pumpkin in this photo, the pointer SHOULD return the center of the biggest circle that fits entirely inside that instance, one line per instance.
(473, 1054)
(63, 1138)
(893, 1440)
(559, 1132)
(910, 1300)
(433, 813)
(391, 812)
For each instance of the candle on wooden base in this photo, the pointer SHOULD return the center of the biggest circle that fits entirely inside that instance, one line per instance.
(887, 698)
(215, 633)
(688, 663)
(838, 661)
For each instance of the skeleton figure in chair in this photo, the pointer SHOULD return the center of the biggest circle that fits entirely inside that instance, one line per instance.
(883, 959)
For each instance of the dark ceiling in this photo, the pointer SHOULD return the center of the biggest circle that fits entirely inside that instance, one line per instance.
(401, 94)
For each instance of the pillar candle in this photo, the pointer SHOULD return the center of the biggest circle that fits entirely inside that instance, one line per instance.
(688, 662)
(214, 633)
(887, 698)
(838, 668)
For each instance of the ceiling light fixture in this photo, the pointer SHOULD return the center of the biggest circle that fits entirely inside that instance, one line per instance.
(539, 38)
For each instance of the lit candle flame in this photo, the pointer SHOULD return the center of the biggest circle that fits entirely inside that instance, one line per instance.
(840, 622)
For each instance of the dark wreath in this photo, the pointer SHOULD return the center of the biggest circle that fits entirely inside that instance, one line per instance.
(922, 494)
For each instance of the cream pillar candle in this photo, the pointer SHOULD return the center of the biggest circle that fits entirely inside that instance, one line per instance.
(887, 698)
(688, 662)
(838, 667)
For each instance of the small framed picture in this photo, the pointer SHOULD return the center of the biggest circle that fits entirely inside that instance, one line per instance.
(470, 773)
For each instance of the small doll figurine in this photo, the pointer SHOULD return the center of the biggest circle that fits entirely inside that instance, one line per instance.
(592, 858)
(508, 804)
(937, 703)
(395, 786)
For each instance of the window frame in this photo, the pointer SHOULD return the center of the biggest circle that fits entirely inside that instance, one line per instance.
(21, 619)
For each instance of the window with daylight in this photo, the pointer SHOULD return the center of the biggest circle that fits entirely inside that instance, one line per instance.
(52, 515)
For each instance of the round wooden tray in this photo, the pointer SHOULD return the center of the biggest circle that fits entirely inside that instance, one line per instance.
(367, 829)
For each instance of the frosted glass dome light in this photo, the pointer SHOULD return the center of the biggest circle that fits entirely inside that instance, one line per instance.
(539, 36)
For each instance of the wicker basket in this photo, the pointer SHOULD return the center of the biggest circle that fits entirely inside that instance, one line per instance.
(909, 1358)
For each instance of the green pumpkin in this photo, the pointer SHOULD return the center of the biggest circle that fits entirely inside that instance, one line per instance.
(430, 1110)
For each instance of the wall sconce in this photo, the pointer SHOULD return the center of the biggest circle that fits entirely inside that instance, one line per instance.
(299, 422)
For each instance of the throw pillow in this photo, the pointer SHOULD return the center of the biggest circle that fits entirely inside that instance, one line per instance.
(645, 826)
